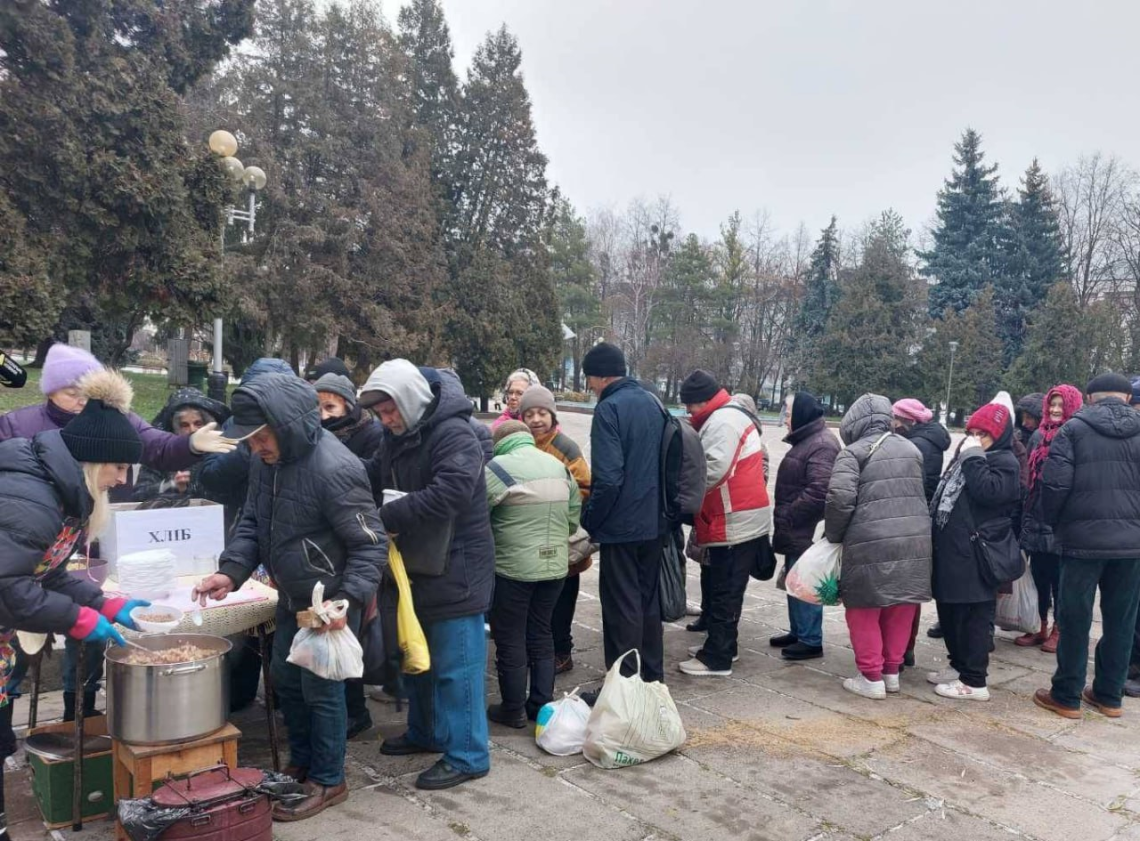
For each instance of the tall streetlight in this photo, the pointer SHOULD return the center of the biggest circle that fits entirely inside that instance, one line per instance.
(950, 380)
(224, 145)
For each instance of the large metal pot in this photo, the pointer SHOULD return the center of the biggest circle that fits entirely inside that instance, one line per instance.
(158, 705)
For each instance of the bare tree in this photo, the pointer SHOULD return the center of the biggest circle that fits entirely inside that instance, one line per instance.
(1090, 199)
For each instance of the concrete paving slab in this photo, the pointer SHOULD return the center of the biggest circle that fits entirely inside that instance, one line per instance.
(1005, 798)
(689, 801)
(518, 802)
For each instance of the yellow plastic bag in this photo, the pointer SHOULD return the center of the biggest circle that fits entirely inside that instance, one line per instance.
(413, 643)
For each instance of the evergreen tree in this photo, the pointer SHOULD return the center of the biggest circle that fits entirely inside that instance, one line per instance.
(966, 254)
(873, 331)
(821, 294)
(1065, 343)
(977, 359)
(727, 298)
(497, 224)
(681, 306)
(426, 42)
(28, 309)
(93, 155)
(1034, 258)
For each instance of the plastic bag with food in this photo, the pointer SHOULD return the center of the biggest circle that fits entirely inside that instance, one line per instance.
(333, 655)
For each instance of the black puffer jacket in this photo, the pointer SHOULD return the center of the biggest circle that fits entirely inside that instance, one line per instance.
(992, 491)
(439, 463)
(41, 489)
(932, 441)
(1091, 483)
(877, 509)
(1035, 534)
(801, 486)
(310, 517)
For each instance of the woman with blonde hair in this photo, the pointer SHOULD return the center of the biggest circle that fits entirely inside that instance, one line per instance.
(53, 489)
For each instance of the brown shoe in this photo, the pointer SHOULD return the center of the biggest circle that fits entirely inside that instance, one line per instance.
(320, 798)
(563, 663)
(1050, 645)
(1093, 701)
(1044, 699)
(1033, 637)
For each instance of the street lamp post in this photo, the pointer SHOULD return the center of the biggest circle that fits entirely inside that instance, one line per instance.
(950, 380)
(224, 145)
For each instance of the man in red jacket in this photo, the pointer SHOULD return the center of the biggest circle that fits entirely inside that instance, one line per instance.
(734, 520)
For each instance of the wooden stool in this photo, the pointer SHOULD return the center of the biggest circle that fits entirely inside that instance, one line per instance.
(136, 767)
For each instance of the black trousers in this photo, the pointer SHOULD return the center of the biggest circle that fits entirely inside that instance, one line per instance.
(727, 579)
(520, 625)
(631, 605)
(563, 620)
(968, 630)
(1046, 569)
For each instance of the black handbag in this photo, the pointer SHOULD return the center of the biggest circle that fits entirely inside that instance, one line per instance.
(671, 585)
(996, 550)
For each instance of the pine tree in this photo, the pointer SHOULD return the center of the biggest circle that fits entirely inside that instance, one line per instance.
(1064, 343)
(93, 155)
(680, 314)
(821, 294)
(727, 297)
(874, 329)
(28, 309)
(966, 254)
(1034, 259)
(977, 358)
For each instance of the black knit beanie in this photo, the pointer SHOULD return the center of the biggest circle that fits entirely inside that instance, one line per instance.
(699, 387)
(805, 409)
(604, 360)
(102, 435)
(333, 365)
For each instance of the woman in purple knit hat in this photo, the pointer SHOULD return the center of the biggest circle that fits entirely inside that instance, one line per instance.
(64, 383)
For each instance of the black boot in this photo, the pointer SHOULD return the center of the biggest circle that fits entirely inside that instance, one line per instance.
(89, 704)
(512, 711)
(541, 686)
(68, 706)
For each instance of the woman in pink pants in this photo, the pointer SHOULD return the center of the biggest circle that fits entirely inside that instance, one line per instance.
(876, 508)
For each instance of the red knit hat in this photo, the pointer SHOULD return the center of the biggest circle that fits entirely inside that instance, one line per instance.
(992, 419)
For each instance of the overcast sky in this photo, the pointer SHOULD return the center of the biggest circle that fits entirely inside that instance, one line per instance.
(811, 107)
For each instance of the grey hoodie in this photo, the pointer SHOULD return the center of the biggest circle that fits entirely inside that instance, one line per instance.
(403, 382)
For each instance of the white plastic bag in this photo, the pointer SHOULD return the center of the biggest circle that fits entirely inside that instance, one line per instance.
(815, 577)
(560, 728)
(1017, 611)
(632, 721)
(333, 655)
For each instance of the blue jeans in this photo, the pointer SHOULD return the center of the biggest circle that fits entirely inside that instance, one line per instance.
(805, 620)
(445, 704)
(313, 707)
(1119, 582)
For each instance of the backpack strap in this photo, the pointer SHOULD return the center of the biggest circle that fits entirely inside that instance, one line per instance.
(755, 420)
(500, 471)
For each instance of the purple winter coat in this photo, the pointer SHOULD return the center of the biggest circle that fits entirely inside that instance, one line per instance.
(161, 450)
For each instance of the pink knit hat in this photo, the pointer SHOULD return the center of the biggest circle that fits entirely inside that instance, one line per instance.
(64, 366)
(911, 408)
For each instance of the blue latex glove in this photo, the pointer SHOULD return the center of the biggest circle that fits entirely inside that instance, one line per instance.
(105, 632)
(123, 617)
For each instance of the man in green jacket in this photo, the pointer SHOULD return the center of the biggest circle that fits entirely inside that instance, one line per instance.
(535, 507)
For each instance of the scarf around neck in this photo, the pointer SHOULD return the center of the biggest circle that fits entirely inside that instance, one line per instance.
(1071, 401)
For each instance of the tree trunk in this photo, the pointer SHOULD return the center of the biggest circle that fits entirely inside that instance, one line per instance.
(41, 352)
(483, 403)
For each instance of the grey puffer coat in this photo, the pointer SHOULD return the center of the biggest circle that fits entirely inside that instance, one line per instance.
(876, 507)
(309, 517)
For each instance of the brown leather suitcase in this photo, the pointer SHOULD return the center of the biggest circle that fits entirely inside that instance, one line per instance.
(225, 807)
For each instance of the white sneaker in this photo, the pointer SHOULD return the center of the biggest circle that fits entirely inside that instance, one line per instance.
(695, 668)
(694, 650)
(875, 690)
(944, 676)
(961, 692)
(891, 682)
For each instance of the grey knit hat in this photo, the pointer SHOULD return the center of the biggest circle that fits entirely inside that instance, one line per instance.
(537, 397)
(339, 385)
